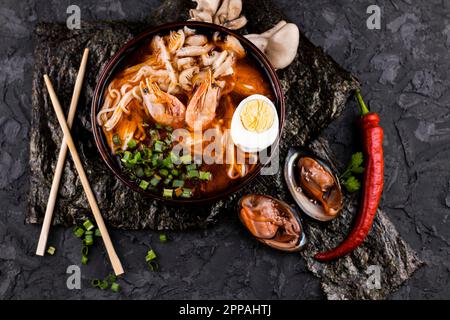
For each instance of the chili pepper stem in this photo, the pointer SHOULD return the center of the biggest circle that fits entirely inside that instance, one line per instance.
(364, 109)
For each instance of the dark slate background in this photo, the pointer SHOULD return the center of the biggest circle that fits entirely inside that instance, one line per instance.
(404, 73)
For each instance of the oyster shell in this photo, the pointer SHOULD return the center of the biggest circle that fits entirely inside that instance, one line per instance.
(313, 185)
(272, 222)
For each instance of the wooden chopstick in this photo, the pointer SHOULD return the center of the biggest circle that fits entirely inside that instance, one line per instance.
(117, 266)
(40, 251)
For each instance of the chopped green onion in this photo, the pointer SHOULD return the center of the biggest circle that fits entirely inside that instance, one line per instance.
(126, 156)
(112, 278)
(85, 250)
(177, 183)
(97, 233)
(186, 159)
(158, 126)
(190, 167)
(88, 225)
(103, 285)
(148, 172)
(167, 181)
(159, 146)
(51, 250)
(155, 180)
(132, 144)
(143, 185)
(88, 240)
(153, 265)
(95, 282)
(116, 139)
(89, 233)
(167, 162)
(162, 237)
(151, 255)
(192, 174)
(164, 172)
(139, 172)
(78, 232)
(84, 260)
(187, 193)
(168, 193)
(115, 287)
(204, 175)
(175, 172)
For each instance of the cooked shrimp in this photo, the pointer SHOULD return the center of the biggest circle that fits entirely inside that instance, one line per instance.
(163, 107)
(175, 40)
(201, 109)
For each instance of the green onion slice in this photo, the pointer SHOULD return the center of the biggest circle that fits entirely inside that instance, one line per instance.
(78, 232)
(88, 225)
(51, 250)
(115, 287)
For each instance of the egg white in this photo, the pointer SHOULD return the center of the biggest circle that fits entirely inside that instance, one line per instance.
(251, 141)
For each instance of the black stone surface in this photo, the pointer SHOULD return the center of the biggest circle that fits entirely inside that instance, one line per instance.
(403, 68)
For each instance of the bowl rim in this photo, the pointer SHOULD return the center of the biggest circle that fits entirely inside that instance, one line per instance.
(122, 53)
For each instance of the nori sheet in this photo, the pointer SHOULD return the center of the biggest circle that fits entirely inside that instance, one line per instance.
(316, 89)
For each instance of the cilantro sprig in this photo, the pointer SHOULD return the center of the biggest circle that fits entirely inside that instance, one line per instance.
(348, 179)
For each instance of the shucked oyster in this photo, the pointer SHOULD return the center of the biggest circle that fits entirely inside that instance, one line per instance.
(313, 185)
(272, 222)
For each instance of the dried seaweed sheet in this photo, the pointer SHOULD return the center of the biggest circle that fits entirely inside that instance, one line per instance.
(316, 90)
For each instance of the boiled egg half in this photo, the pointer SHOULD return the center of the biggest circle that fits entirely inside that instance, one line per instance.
(255, 124)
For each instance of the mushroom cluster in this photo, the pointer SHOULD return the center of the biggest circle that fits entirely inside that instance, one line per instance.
(226, 13)
(279, 43)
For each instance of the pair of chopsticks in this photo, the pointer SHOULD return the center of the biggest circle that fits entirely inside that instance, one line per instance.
(68, 143)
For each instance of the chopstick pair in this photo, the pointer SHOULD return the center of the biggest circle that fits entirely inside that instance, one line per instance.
(68, 143)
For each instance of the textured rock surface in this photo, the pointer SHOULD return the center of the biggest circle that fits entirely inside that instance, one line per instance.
(404, 74)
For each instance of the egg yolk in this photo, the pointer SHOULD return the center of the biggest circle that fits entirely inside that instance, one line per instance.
(257, 115)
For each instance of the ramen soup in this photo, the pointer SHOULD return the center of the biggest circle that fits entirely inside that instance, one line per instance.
(174, 103)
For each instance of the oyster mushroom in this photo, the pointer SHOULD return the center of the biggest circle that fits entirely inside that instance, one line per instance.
(272, 222)
(279, 43)
(313, 185)
(226, 13)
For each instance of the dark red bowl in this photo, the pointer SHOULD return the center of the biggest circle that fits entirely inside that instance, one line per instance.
(117, 63)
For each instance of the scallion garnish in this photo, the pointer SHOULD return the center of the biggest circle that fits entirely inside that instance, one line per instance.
(139, 172)
(204, 175)
(177, 183)
(97, 233)
(151, 255)
(155, 180)
(167, 193)
(88, 225)
(192, 174)
(186, 159)
(78, 232)
(132, 144)
(187, 193)
(84, 260)
(159, 146)
(51, 250)
(190, 167)
(164, 172)
(143, 185)
(115, 287)
(162, 237)
(85, 250)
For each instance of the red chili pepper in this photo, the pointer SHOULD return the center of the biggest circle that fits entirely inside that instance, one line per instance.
(372, 136)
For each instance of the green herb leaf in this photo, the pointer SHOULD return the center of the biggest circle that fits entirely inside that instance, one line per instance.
(352, 184)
